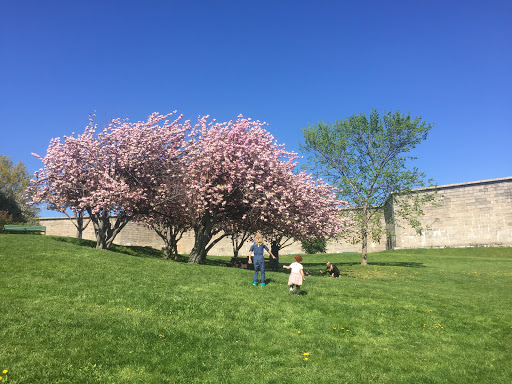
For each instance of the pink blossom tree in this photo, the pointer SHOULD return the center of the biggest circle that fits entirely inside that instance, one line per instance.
(240, 179)
(115, 175)
(170, 219)
(305, 209)
(61, 184)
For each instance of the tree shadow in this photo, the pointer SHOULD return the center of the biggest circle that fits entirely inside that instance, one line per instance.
(399, 264)
(217, 261)
(75, 241)
(132, 250)
(138, 251)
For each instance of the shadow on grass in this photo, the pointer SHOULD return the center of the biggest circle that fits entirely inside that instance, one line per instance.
(138, 251)
(127, 250)
(149, 252)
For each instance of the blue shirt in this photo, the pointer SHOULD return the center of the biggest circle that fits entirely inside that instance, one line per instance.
(258, 250)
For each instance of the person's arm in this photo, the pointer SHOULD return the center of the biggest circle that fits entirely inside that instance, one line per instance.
(250, 251)
(286, 266)
(302, 273)
(269, 252)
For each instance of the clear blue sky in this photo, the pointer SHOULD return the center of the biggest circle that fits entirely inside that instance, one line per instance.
(289, 63)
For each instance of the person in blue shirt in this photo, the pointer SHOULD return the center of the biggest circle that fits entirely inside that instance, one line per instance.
(257, 249)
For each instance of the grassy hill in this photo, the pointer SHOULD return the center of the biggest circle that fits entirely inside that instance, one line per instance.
(72, 314)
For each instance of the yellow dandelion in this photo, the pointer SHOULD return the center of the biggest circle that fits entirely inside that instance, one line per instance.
(298, 332)
(306, 358)
(127, 309)
(355, 346)
(1, 377)
(5, 371)
(306, 353)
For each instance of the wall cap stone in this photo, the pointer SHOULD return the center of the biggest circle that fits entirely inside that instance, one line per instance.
(466, 184)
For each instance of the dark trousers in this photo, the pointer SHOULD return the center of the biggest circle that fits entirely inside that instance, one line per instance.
(274, 264)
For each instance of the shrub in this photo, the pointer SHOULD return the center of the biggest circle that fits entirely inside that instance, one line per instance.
(314, 245)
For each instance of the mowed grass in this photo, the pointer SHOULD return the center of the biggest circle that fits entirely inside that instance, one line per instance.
(72, 314)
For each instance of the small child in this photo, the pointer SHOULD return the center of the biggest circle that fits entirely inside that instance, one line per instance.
(296, 275)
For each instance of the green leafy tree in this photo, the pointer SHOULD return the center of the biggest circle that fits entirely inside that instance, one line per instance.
(367, 159)
(312, 246)
(14, 180)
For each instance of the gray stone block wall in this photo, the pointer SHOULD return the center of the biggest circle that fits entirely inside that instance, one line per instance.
(469, 214)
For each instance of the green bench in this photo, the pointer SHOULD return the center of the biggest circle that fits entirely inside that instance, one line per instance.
(25, 228)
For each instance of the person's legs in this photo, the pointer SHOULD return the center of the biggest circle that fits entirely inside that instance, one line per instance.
(259, 266)
(256, 269)
(275, 265)
(262, 269)
(298, 289)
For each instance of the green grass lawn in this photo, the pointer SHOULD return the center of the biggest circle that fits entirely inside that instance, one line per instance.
(72, 314)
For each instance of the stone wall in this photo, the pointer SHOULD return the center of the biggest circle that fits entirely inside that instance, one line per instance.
(468, 214)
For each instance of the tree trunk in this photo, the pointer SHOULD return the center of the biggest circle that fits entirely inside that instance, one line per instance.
(79, 225)
(103, 229)
(198, 253)
(170, 235)
(202, 236)
(238, 241)
(236, 248)
(364, 246)
(364, 236)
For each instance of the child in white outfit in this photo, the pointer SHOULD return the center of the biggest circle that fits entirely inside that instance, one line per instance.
(297, 274)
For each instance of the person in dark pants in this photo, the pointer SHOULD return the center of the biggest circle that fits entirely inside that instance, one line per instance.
(274, 263)
(257, 250)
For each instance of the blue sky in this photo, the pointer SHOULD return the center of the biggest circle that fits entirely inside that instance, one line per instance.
(289, 63)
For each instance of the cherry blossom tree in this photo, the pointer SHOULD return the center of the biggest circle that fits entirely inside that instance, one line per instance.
(60, 184)
(238, 176)
(306, 209)
(170, 219)
(113, 176)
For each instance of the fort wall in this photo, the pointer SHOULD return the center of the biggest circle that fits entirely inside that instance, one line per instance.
(466, 215)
